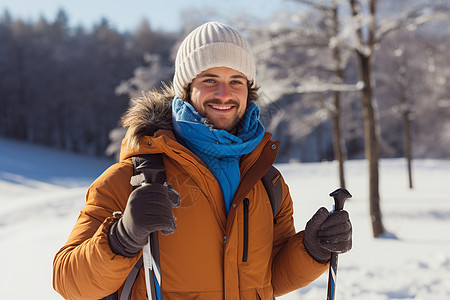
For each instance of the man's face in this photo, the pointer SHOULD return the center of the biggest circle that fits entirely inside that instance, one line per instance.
(220, 95)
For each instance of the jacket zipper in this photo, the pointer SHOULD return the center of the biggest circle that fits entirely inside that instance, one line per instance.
(245, 252)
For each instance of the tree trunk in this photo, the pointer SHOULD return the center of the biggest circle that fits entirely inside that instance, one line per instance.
(364, 55)
(371, 144)
(407, 143)
(337, 140)
(405, 112)
(338, 145)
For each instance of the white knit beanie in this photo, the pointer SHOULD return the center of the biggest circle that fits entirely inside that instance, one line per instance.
(211, 45)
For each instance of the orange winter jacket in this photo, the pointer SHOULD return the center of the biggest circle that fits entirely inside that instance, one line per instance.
(203, 258)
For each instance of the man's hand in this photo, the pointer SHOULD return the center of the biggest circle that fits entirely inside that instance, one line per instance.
(149, 209)
(328, 232)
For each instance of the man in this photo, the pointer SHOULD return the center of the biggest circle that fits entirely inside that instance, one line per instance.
(221, 242)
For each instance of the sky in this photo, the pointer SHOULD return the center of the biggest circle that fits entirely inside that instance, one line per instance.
(126, 15)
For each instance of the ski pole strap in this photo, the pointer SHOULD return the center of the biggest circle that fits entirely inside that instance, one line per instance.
(131, 278)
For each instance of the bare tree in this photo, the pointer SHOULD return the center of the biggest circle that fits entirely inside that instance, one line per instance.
(368, 34)
(339, 148)
(364, 49)
(317, 36)
(331, 11)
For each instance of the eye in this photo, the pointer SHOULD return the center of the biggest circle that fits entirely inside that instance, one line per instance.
(238, 83)
(209, 80)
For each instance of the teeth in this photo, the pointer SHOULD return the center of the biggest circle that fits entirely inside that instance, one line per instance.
(221, 107)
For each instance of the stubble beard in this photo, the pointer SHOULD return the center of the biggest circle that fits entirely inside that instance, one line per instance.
(232, 125)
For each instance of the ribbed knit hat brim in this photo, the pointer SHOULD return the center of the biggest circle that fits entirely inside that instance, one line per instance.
(211, 45)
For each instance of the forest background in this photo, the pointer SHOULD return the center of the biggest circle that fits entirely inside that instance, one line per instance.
(66, 87)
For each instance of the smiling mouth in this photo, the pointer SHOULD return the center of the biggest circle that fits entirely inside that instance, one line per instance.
(227, 107)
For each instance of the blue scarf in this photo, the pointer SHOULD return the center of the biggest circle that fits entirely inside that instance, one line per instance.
(218, 149)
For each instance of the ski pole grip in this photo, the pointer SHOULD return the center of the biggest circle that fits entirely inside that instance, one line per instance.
(340, 195)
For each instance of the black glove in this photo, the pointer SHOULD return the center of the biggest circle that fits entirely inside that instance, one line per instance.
(149, 209)
(326, 233)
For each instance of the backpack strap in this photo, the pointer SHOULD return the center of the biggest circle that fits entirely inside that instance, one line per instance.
(274, 189)
(131, 278)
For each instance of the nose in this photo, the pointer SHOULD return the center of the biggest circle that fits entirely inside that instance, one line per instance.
(223, 91)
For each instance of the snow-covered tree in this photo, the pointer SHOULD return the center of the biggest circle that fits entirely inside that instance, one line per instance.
(294, 53)
(369, 30)
(304, 56)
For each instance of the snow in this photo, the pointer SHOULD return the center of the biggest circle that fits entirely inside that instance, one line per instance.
(42, 191)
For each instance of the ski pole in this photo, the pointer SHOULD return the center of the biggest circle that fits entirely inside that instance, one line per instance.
(152, 270)
(149, 168)
(339, 195)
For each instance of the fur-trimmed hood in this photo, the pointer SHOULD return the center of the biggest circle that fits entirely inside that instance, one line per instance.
(149, 112)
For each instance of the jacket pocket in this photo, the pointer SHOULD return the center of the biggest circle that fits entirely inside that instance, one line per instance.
(245, 246)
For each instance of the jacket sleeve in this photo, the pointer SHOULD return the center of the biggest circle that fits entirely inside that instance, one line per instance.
(85, 267)
(292, 266)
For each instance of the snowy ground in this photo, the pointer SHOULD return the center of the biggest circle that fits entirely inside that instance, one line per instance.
(42, 190)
